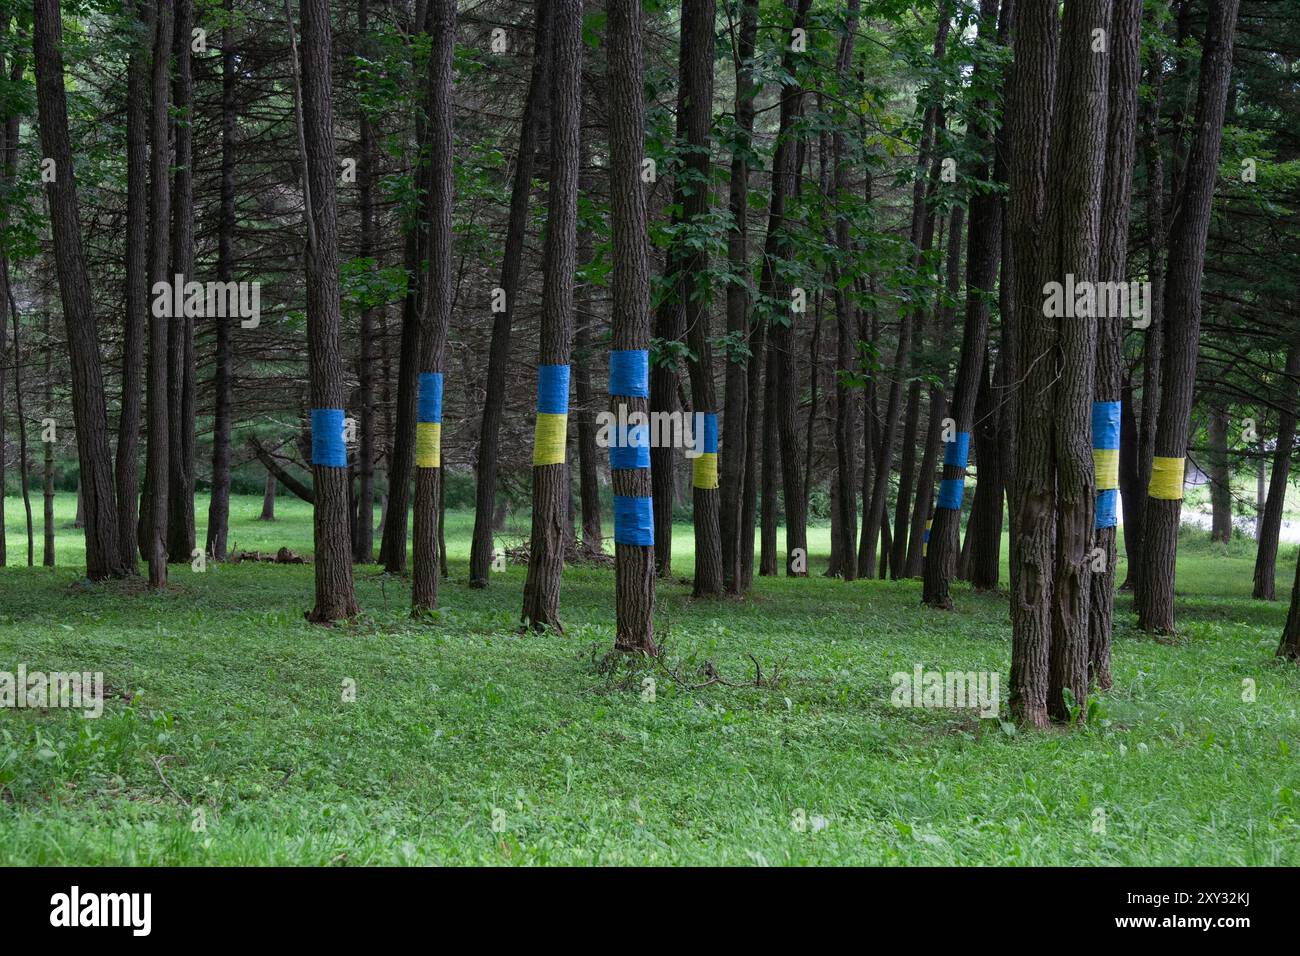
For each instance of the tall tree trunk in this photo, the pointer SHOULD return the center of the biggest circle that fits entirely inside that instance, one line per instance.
(1033, 487)
(986, 510)
(1182, 310)
(1135, 510)
(25, 476)
(363, 533)
(180, 348)
(937, 405)
(921, 185)
(983, 250)
(695, 117)
(153, 507)
(222, 385)
(436, 317)
(733, 467)
(88, 405)
(634, 546)
(588, 456)
(781, 392)
(136, 297)
(401, 458)
(1125, 67)
(335, 591)
(551, 489)
(1270, 525)
(48, 557)
(485, 488)
(845, 530)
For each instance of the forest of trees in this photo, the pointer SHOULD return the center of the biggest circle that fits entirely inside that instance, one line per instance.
(927, 272)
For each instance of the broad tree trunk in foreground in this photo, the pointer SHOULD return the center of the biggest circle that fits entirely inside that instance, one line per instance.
(436, 316)
(1270, 525)
(335, 593)
(90, 416)
(1182, 313)
(551, 499)
(1033, 486)
(634, 570)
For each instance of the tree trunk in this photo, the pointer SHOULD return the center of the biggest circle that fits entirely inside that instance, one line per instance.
(1182, 309)
(551, 489)
(88, 405)
(983, 249)
(222, 385)
(335, 592)
(137, 289)
(436, 316)
(535, 107)
(392, 545)
(921, 185)
(986, 510)
(180, 329)
(1033, 486)
(363, 530)
(1270, 525)
(694, 118)
(634, 552)
(48, 557)
(733, 467)
(1219, 474)
(268, 498)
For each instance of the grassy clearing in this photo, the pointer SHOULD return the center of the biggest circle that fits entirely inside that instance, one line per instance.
(223, 699)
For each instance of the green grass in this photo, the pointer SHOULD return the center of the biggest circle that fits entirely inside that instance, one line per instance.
(221, 688)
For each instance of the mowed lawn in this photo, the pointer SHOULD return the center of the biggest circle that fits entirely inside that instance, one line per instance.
(228, 737)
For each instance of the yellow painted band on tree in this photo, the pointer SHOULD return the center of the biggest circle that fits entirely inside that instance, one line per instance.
(548, 438)
(704, 471)
(1105, 462)
(1166, 479)
(428, 445)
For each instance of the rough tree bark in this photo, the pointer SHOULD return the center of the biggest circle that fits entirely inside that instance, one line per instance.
(436, 314)
(549, 539)
(90, 416)
(335, 592)
(180, 329)
(695, 117)
(1182, 312)
(1124, 43)
(634, 569)
(222, 383)
(733, 467)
